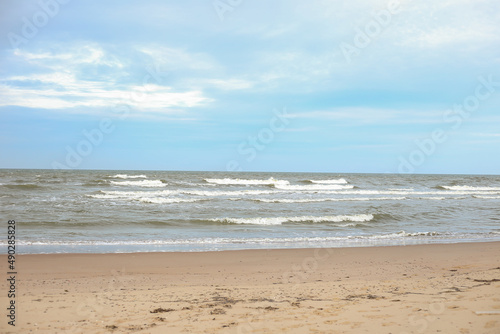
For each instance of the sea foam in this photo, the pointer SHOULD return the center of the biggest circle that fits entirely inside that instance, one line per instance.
(125, 176)
(228, 181)
(312, 187)
(142, 183)
(340, 199)
(469, 188)
(303, 219)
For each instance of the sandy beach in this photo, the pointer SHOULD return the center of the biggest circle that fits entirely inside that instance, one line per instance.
(452, 288)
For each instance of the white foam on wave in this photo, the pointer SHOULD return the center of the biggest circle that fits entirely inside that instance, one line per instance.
(335, 181)
(145, 197)
(228, 181)
(219, 240)
(400, 192)
(486, 197)
(133, 194)
(101, 196)
(164, 200)
(312, 187)
(401, 234)
(142, 183)
(364, 195)
(434, 198)
(125, 176)
(352, 225)
(281, 220)
(201, 193)
(469, 188)
(313, 200)
(227, 193)
(347, 240)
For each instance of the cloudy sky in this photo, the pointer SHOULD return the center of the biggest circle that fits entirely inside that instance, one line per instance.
(281, 85)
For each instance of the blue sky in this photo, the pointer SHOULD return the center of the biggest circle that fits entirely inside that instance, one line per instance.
(317, 86)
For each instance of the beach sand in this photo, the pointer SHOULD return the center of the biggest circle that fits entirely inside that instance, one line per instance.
(450, 288)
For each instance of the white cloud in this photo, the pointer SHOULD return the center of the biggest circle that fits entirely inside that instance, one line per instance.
(144, 98)
(443, 24)
(56, 78)
(74, 55)
(58, 84)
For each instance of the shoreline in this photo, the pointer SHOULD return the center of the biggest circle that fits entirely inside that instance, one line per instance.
(264, 249)
(395, 289)
(197, 250)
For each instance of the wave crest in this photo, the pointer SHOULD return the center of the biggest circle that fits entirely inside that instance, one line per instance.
(303, 219)
(313, 187)
(142, 183)
(469, 188)
(314, 200)
(125, 176)
(163, 200)
(228, 181)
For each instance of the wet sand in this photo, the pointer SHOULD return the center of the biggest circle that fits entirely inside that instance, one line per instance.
(452, 288)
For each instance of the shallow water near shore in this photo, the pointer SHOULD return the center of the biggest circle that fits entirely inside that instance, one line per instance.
(147, 211)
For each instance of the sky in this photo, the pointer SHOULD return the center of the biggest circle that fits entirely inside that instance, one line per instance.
(360, 86)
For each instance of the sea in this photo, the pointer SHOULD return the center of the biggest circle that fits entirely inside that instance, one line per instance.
(103, 211)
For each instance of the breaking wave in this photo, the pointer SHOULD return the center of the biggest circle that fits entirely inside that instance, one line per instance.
(313, 200)
(164, 200)
(303, 219)
(469, 188)
(142, 183)
(125, 176)
(486, 197)
(312, 187)
(228, 181)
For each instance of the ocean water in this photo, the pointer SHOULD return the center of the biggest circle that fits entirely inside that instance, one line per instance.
(149, 211)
